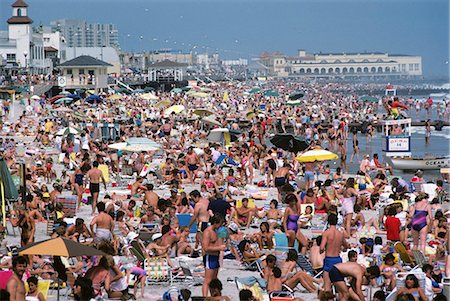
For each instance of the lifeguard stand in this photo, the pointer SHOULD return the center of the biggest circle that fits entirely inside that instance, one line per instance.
(390, 90)
(397, 145)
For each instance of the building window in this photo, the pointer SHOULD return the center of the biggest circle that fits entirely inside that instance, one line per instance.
(344, 70)
(358, 70)
(81, 71)
(366, 70)
(19, 12)
(416, 67)
(69, 71)
(10, 57)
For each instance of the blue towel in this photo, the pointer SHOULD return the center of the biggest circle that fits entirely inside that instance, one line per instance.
(250, 280)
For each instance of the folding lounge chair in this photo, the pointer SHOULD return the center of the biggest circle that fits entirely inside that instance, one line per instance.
(249, 264)
(256, 290)
(419, 258)
(401, 282)
(188, 276)
(158, 270)
(183, 221)
(404, 256)
(304, 263)
(281, 245)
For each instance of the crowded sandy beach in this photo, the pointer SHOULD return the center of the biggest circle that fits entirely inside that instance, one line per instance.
(257, 190)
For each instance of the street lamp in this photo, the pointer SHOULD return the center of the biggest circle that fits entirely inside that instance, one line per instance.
(25, 54)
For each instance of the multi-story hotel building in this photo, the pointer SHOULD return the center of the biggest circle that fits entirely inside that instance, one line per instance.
(342, 64)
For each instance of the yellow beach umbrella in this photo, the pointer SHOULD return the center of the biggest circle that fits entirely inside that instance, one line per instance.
(163, 103)
(316, 155)
(149, 96)
(174, 109)
(202, 112)
(115, 97)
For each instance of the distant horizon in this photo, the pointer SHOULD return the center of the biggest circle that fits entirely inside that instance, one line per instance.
(247, 28)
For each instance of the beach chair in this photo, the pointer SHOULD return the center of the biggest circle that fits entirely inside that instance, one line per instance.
(256, 290)
(43, 287)
(137, 251)
(158, 270)
(70, 203)
(419, 258)
(281, 296)
(183, 221)
(252, 264)
(188, 276)
(304, 263)
(404, 256)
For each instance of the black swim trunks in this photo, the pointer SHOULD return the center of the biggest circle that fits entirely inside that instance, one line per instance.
(335, 275)
(94, 187)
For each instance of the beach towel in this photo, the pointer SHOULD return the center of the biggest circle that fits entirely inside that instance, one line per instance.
(4, 277)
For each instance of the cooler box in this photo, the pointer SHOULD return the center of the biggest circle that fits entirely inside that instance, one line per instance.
(281, 296)
(70, 204)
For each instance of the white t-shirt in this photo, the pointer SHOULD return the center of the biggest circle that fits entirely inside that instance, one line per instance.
(402, 217)
(377, 249)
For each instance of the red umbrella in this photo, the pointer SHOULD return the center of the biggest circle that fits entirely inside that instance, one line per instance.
(55, 98)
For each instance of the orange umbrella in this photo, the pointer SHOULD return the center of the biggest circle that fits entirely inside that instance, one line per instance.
(59, 247)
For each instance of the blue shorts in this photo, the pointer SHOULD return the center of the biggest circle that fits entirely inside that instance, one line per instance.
(329, 262)
(309, 176)
(211, 262)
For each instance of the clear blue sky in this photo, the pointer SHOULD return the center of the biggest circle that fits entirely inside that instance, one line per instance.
(248, 27)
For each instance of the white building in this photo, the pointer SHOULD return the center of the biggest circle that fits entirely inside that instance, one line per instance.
(80, 33)
(343, 64)
(20, 45)
(106, 54)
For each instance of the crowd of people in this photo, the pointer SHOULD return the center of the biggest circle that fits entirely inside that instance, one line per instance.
(354, 223)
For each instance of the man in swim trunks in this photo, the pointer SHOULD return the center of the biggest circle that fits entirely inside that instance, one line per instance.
(309, 174)
(104, 223)
(245, 214)
(94, 176)
(282, 178)
(193, 163)
(201, 215)
(359, 276)
(333, 242)
(211, 248)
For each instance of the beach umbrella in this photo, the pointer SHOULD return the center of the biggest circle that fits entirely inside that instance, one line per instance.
(118, 146)
(289, 143)
(67, 131)
(211, 120)
(140, 148)
(55, 98)
(74, 96)
(176, 90)
(35, 97)
(368, 98)
(80, 115)
(187, 88)
(294, 102)
(60, 247)
(271, 93)
(174, 109)
(115, 97)
(64, 100)
(8, 189)
(295, 96)
(200, 94)
(202, 112)
(149, 96)
(316, 155)
(226, 97)
(94, 99)
(222, 135)
(138, 91)
(255, 90)
(65, 93)
(148, 89)
(163, 103)
(205, 89)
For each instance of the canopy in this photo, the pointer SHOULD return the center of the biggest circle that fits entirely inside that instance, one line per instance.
(368, 98)
(67, 131)
(295, 96)
(294, 102)
(174, 109)
(60, 247)
(289, 143)
(271, 93)
(202, 112)
(316, 155)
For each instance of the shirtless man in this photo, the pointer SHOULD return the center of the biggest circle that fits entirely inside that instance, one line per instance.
(104, 223)
(94, 176)
(211, 249)
(150, 197)
(281, 178)
(333, 242)
(201, 215)
(78, 229)
(15, 286)
(193, 163)
(137, 187)
(359, 276)
(309, 174)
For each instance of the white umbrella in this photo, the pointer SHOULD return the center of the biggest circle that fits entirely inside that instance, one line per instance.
(118, 146)
(140, 148)
(35, 97)
(211, 120)
(67, 131)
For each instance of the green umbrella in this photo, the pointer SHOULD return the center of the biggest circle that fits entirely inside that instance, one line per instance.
(186, 88)
(176, 90)
(368, 98)
(294, 102)
(64, 100)
(255, 90)
(9, 188)
(271, 93)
